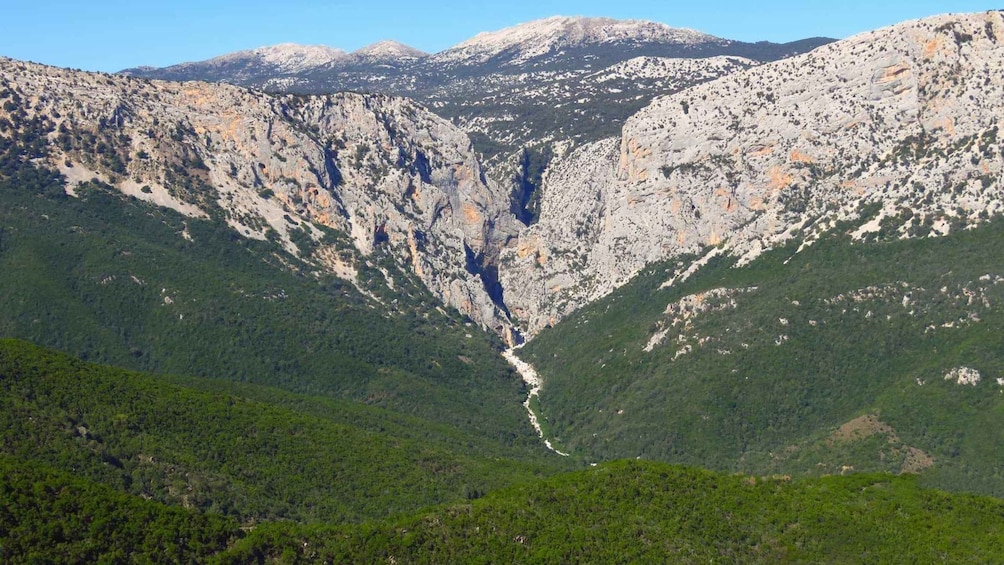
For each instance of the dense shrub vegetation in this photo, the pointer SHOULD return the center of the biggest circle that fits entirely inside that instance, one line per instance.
(52, 517)
(617, 512)
(820, 361)
(646, 512)
(223, 453)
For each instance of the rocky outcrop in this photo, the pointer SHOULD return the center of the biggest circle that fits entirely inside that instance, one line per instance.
(391, 176)
(906, 117)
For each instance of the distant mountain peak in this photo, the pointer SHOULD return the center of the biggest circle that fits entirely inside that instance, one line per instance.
(291, 56)
(539, 37)
(389, 49)
(580, 29)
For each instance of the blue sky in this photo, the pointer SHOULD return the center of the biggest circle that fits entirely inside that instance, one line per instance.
(109, 35)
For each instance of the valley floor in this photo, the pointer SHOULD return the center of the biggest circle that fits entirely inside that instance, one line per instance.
(533, 381)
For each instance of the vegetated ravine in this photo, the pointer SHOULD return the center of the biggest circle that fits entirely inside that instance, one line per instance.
(532, 380)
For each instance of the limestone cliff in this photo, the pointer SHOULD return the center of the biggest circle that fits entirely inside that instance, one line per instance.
(393, 176)
(906, 117)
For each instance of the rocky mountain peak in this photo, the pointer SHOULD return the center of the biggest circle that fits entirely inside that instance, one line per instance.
(241, 67)
(288, 57)
(540, 37)
(389, 50)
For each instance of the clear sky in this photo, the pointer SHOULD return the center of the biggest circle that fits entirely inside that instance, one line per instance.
(109, 35)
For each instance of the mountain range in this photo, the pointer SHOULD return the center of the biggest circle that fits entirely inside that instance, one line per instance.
(538, 85)
(556, 43)
(776, 262)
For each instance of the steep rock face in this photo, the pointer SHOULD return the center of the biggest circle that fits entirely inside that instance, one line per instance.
(382, 170)
(906, 117)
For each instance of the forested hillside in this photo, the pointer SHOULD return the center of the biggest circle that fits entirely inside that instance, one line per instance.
(627, 511)
(120, 281)
(250, 457)
(840, 356)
